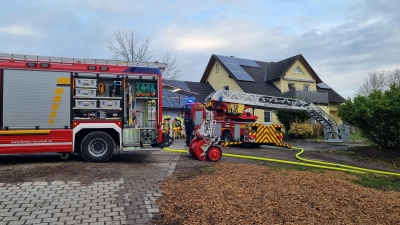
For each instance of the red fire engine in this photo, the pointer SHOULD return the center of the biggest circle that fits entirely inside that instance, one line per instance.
(87, 106)
(233, 122)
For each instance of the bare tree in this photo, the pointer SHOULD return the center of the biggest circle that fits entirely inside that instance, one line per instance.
(129, 46)
(375, 81)
(172, 72)
(379, 80)
(394, 77)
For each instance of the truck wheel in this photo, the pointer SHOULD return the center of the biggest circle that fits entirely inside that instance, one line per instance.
(97, 147)
(227, 136)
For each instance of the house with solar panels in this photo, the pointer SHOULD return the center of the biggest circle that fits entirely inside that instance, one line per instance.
(291, 77)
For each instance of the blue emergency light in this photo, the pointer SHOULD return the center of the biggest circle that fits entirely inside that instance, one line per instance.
(190, 100)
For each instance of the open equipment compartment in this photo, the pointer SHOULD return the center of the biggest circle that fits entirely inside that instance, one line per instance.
(141, 110)
(131, 100)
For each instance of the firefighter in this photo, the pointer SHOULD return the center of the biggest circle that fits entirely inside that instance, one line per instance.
(181, 128)
(175, 128)
(166, 126)
(189, 128)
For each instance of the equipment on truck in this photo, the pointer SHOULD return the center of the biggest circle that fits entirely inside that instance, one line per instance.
(85, 106)
(234, 122)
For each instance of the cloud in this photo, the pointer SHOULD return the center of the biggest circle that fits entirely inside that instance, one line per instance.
(19, 29)
(342, 40)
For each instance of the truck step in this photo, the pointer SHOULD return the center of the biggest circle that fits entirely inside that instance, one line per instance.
(131, 149)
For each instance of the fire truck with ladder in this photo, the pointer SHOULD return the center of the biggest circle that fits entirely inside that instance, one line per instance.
(93, 107)
(232, 122)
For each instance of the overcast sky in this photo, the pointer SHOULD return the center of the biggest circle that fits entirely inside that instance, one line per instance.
(342, 40)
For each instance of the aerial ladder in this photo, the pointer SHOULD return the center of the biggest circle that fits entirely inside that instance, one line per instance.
(218, 102)
(332, 131)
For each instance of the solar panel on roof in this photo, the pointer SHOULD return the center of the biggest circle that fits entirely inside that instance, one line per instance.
(174, 83)
(166, 103)
(183, 85)
(234, 66)
(238, 75)
(230, 67)
(166, 82)
(238, 68)
(253, 63)
(175, 103)
(323, 85)
(240, 61)
(169, 94)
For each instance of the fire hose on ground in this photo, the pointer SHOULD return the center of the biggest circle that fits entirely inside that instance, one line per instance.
(324, 165)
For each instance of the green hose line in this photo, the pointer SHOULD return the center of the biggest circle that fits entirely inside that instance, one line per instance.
(175, 150)
(341, 165)
(327, 165)
(290, 162)
(273, 160)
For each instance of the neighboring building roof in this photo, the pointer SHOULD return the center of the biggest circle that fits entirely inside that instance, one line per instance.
(176, 100)
(333, 96)
(259, 86)
(265, 74)
(203, 89)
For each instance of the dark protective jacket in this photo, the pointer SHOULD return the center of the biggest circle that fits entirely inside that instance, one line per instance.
(189, 123)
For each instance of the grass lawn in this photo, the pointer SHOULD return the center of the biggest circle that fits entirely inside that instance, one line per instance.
(357, 137)
(353, 137)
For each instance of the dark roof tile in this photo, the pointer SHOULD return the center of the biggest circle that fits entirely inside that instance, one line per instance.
(333, 96)
(203, 89)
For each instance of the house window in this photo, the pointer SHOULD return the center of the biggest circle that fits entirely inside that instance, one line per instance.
(267, 116)
(306, 87)
(291, 86)
(216, 68)
(298, 70)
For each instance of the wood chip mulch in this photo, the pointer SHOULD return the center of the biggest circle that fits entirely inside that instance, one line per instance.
(253, 194)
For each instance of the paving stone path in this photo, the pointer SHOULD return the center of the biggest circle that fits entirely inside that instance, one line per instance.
(130, 199)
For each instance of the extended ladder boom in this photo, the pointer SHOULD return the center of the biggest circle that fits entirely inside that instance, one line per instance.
(258, 101)
(83, 61)
(272, 102)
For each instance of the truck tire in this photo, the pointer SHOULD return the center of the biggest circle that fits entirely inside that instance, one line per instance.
(227, 136)
(97, 147)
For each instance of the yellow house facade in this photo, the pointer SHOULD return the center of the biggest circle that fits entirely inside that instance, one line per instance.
(292, 77)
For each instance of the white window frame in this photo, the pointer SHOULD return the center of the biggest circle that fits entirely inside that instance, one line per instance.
(216, 68)
(269, 113)
(306, 87)
(298, 70)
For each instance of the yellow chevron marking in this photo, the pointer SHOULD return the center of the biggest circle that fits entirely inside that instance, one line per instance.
(56, 99)
(54, 107)
(260, 133)
(64, 80)
(59, 91)
(274, 137)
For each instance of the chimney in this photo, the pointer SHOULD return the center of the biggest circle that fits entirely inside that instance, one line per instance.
(265, 73)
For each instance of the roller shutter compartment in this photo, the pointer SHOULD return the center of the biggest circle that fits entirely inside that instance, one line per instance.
(36, 98)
